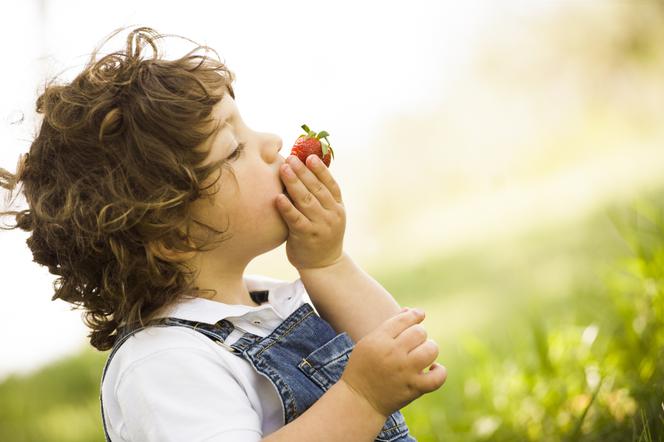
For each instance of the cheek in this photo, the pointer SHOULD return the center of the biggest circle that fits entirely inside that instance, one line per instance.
(257, 206)
(217, 210)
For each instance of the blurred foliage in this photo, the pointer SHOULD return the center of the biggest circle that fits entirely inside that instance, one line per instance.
(556, 335)
(60, 402)
(586, 365)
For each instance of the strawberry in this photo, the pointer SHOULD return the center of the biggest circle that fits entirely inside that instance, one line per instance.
(310, 143)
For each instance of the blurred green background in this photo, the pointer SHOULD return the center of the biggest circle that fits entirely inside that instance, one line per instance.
(525, 214)
(557, 334)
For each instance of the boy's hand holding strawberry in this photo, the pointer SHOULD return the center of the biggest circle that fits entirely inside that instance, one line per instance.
(314, 213)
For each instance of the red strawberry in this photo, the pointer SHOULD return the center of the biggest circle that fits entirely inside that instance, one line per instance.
(310, 143)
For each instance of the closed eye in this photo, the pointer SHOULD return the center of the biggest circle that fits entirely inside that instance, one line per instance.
(237, 152)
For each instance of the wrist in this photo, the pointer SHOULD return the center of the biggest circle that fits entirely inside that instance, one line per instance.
(329, 265)
(363, 406)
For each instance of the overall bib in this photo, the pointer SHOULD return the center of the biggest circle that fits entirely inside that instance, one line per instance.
(303, 357)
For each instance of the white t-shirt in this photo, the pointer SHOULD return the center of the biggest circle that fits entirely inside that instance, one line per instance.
(174, 384)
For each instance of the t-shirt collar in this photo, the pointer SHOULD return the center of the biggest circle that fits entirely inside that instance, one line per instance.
(282, 297)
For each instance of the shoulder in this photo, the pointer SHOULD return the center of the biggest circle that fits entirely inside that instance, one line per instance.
(157, 339)
(169, 384)
(171, 347)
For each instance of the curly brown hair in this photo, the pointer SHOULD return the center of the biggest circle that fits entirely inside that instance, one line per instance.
(113, 172)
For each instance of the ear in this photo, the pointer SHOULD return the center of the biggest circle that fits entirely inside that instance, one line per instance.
(159, 249)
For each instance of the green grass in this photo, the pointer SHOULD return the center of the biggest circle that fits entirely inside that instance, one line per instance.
(555, 334)
(528, 368)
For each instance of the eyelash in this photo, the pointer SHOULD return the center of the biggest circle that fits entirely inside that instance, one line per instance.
(236, 153)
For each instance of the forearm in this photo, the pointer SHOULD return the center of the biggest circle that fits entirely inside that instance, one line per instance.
(338, 415)
(348, 298)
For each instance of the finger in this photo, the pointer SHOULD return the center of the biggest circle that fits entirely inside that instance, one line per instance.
(413, 336)
(395, 325)
(325, 176)
(424, 354)
(311, 181)
(431, 380)
(294, 219)
(301, 198)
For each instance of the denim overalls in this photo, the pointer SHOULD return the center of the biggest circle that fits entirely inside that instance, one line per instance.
(303, 357)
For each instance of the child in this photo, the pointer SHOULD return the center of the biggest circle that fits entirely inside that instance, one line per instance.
(125, 207)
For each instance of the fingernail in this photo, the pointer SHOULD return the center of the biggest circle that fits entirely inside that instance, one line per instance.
(314, 159)
(403, 309)
(419, 311)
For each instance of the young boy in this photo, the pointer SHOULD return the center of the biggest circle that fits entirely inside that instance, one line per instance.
(149, 195)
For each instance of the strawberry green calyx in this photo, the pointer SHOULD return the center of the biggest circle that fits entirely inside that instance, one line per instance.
(325, 145)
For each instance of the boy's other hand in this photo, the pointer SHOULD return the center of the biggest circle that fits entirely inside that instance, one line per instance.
(387, 367)
(315, 213)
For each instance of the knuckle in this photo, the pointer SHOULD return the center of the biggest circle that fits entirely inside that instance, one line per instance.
(420, 330)
(410, 387)
(299, 220)
(319, 188)
(334, 219)
(307, 198)
(404, 319)
(334, 187)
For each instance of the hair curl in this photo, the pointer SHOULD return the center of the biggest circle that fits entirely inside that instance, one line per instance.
(114, 169)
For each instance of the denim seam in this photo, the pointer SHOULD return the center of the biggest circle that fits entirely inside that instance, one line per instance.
(391, 428)
(285, 333)
(200, 331)
(169, 324)
(255, 362)
(327, 362)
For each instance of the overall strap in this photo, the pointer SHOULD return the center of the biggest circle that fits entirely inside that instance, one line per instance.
(217, 332)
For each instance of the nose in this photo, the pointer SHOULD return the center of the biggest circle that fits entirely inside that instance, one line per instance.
(280, 144)
(272, 147)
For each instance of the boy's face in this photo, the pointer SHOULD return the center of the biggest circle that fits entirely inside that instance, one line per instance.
(248, 204)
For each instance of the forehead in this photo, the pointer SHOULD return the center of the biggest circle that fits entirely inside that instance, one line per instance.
(225, 107)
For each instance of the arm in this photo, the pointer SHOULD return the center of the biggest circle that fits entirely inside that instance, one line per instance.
(348, 298)
(200, 406)
(321, 421)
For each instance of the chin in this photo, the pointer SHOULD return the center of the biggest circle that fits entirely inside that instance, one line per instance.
(284, 236)
(280, 236)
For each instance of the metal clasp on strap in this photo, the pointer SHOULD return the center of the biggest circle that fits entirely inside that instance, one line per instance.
(227, 347)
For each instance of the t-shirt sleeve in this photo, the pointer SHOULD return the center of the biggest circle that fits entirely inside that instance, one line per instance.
(185, 394)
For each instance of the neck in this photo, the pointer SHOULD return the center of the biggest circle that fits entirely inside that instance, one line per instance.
(223, 277)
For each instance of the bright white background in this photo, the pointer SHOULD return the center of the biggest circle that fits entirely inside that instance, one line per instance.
(365, 71)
